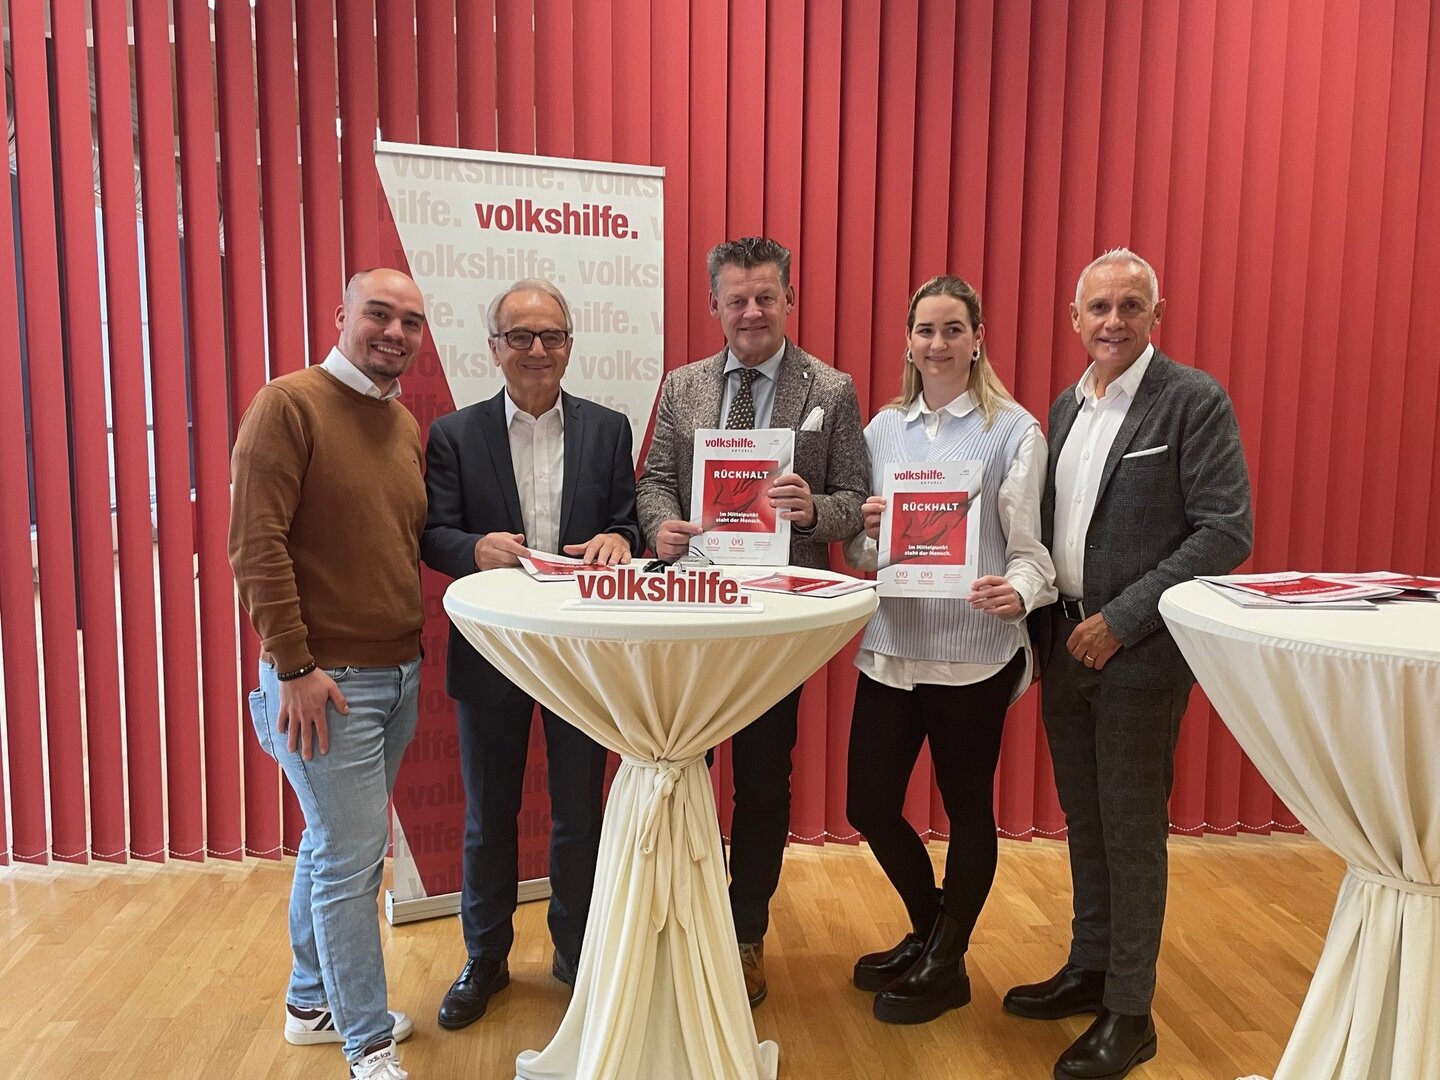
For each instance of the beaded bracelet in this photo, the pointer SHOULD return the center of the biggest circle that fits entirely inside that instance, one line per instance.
(298, 673)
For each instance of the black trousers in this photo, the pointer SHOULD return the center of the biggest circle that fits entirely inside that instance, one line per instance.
(963, 725)
(760, 758)
(1113, 748)
(494, 741)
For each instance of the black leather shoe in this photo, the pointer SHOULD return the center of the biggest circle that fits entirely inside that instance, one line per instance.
(468, 996)
(1113, 1045)
(563, 969)
(935, 982)
(875, 971)
(1069, 992)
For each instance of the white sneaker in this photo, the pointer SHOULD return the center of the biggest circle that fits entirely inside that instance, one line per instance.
(383, 1064)
(321, 1027)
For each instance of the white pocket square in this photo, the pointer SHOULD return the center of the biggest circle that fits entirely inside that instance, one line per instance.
(815, 420)
(1146, 453)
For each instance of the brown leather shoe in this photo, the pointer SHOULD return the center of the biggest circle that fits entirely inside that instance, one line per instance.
(752, 965)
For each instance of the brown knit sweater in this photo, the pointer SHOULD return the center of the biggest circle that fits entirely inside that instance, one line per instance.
(328, 503)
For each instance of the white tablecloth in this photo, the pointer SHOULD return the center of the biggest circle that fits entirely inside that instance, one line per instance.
(659, 992)
(1340, 712)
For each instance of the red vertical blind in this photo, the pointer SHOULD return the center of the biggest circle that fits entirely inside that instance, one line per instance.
(245, 350)
(129, 433)
(360, 197)
(1279, 163)
(31, 54)
(210, 440)
(155, 93)
(475, 61)
(81, 287)
(28, 839)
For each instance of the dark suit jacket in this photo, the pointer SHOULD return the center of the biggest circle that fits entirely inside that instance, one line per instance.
(1162, 518)
(834, 460)
(470, 480)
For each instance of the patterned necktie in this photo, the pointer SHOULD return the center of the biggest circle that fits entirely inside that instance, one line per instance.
(742, 408)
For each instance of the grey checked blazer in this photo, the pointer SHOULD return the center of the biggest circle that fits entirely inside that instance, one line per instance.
(833, 460)
(1161, 518)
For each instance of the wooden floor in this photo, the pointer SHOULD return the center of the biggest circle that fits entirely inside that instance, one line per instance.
(179, 971)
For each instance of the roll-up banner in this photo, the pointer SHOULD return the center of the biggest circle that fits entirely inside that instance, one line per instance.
(470, 223)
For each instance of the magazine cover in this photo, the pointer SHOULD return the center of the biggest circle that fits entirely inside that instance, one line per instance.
(927, 547)
(1292, 587)
(543, 566)
(805, 585)
(733, 471)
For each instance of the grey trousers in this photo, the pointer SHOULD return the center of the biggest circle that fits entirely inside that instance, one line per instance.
(1113, 748)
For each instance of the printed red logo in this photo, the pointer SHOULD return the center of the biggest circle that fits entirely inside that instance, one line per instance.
(929, 527)
(734, 495)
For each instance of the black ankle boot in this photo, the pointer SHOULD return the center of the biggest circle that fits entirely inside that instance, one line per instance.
(875, 971)
(934, 983)
(1110, 1047)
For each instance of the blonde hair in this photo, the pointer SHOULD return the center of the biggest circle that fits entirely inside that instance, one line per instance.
(986, 390)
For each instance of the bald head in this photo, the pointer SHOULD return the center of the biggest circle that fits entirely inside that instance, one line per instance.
(381, 323)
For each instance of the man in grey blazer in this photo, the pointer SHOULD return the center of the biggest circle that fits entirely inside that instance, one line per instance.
(532, 467)
(759, 380)
(1146, 487)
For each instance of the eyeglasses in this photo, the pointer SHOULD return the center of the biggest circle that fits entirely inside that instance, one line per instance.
(521, 340)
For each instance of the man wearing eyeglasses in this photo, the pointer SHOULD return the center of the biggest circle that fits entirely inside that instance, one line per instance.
(531, 468)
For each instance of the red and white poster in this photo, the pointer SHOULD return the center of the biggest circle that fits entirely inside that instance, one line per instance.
(732, 475)
(928, 544)
(805, 585)
(1292, 587)
(543, 566)
(466, 225)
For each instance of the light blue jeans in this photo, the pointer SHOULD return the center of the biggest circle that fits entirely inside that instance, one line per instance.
(334, 934)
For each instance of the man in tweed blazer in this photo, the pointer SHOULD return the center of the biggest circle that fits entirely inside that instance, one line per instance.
(1146, 487)
(778, 384)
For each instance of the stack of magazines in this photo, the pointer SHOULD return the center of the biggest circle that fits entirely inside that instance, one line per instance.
(1292, 589)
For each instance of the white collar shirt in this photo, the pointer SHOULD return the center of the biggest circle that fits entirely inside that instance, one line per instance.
(1082, 463)
(344, 369)
(934, 418)
(537, 453)
(762, 390)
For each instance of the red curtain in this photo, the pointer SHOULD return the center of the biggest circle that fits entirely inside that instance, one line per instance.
(1278, 162)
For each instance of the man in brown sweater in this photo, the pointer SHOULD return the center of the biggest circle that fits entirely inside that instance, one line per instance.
(328, 506)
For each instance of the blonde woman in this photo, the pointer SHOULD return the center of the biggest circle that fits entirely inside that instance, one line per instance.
(945, 670)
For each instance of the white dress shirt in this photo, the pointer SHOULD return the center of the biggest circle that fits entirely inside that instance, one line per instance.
(537, 452)
(762, 390)
(341, 366)
(1027, 563)
(1081, 464)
